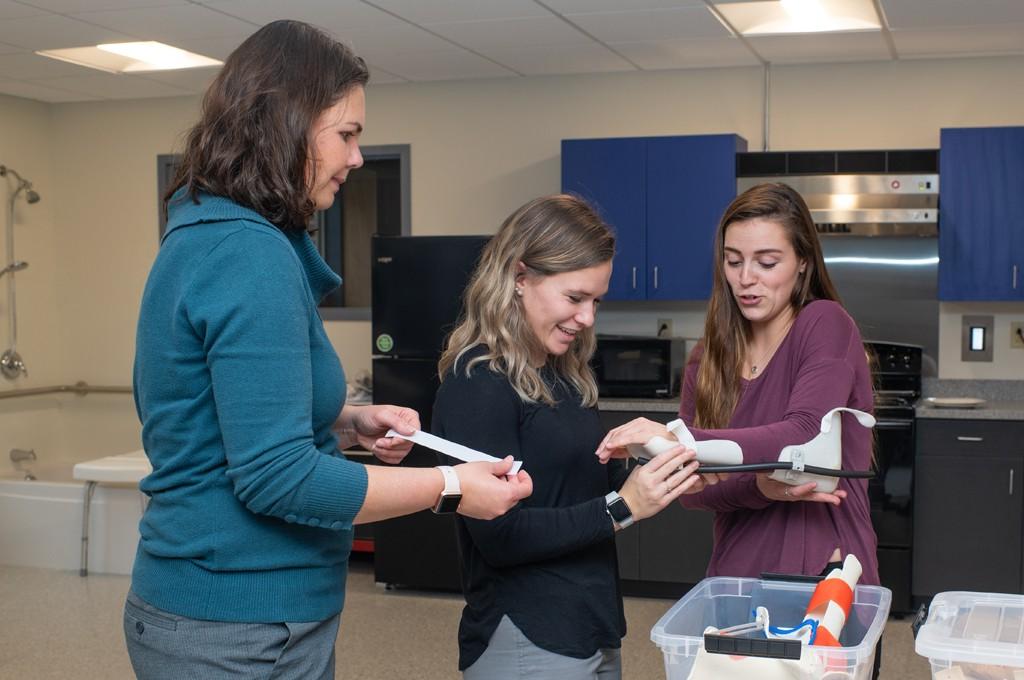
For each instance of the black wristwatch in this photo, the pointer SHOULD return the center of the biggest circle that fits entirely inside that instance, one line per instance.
(451, 496)
(618, 510)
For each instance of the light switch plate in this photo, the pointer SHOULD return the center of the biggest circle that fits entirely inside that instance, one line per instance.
(980, 327)
(1017, 334)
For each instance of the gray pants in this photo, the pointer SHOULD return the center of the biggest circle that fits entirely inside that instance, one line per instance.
(511, 656)
(165, 646)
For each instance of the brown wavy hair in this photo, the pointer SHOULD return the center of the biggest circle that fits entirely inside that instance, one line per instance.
(549, 235)
(726, 330)
(251, 143)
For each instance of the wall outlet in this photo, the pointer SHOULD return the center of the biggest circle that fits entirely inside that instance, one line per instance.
(665, 328)
(1017, 334)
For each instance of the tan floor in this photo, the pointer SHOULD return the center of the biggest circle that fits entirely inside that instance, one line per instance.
(56, 625)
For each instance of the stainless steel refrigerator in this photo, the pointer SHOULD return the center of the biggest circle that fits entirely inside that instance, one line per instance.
(417, 286)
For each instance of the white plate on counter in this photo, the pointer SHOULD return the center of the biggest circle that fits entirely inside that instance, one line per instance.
(954, 402)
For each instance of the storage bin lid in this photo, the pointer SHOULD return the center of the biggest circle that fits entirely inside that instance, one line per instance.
(986, 628)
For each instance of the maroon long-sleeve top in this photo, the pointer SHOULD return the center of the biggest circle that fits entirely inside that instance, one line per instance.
(820, 365)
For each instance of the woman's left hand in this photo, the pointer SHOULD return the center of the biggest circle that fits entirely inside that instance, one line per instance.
(637, 431)
(372, 422)
(775, 490)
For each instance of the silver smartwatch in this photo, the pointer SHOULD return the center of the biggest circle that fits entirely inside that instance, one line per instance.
(617, 509)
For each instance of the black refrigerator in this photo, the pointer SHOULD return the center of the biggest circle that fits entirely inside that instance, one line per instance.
(417, 286)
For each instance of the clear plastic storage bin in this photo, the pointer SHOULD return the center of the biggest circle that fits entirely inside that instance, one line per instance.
(974, 635)
(722, 602)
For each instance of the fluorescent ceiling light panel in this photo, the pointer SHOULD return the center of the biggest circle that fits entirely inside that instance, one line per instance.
(781, 17)
(131, 57)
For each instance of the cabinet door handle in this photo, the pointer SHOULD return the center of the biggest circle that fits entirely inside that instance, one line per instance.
(655, 277)
(634, 278)
(1011, 481)
(1015, 277)
(962, 438)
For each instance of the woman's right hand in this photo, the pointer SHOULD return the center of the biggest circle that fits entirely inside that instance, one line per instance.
(486, 491)
(651, 487)
(775, 490)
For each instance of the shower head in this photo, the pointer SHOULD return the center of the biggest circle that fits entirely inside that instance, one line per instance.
(31, 195)
(14, 267)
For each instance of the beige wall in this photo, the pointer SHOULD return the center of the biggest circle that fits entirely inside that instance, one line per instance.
(479, 149)
(26, 145)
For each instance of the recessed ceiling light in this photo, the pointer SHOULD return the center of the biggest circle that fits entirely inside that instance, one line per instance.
(778, 17)
(131, 57)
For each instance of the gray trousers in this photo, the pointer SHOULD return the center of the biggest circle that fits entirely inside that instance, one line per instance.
(165, 646)
(511, 656)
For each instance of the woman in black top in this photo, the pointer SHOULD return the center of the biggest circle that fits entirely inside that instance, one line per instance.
(541, 583)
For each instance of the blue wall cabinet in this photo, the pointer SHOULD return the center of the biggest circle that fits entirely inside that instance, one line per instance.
(664, 197)
(981, 242)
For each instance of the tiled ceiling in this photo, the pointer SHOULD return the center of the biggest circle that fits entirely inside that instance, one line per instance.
(426, 40)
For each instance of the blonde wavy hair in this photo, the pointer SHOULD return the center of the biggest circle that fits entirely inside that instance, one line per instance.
(549, 235)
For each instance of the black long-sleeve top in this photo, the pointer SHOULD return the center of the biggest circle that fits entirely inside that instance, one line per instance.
(550, 562)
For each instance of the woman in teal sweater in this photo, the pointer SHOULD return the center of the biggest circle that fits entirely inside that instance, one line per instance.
(244, 546)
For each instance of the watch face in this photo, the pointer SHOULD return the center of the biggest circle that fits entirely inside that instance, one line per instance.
(448, 504)
(619, 511)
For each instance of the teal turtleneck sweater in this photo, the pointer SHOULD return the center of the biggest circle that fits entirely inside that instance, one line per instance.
(237, 386)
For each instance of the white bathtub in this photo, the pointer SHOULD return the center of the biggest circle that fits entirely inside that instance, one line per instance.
(41, 520)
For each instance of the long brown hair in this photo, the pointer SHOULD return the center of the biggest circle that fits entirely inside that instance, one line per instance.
(549, 235)
(251, 143)
(726, 330)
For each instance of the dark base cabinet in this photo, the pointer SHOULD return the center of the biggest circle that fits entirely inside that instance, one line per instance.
(968, 506)
(417, 551)
(664, 555)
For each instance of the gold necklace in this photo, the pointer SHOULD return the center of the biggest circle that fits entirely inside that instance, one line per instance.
(771, 351)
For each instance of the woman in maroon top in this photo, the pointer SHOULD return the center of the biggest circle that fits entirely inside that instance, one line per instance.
(778, 352)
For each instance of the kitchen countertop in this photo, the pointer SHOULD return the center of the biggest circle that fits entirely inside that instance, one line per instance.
(990, 410)
(623, 404)
(1004, 399)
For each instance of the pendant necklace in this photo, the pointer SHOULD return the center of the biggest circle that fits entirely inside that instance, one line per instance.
(767, 355)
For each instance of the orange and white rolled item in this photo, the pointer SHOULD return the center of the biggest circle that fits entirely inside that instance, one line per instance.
(830, 604)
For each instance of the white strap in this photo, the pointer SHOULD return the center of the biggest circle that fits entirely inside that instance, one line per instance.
(458, 451)
(451, 480)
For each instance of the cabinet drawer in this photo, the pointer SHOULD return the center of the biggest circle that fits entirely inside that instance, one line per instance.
(967, 437)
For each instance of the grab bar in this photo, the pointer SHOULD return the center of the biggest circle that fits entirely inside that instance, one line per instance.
(80, 388)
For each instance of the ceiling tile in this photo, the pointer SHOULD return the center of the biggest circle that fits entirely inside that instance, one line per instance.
(111, 86)
(821, 47)
(170, 24)
(695, 53)
(447, 11)
(334, 15)
(583, 6)
(913, 14)
(451, 63)
(589, 57)
(28, 65)
(53, 30)
(27, 90)
(371, 42)
(665, 24)
(15, 10)
(72, 6)
(511, 33)
(943, 42)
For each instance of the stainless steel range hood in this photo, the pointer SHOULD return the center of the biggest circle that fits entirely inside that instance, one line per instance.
(894, 204)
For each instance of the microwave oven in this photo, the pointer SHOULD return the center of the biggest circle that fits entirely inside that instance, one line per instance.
(638, 366)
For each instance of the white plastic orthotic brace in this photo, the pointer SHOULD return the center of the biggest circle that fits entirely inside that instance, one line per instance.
(824, 451)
